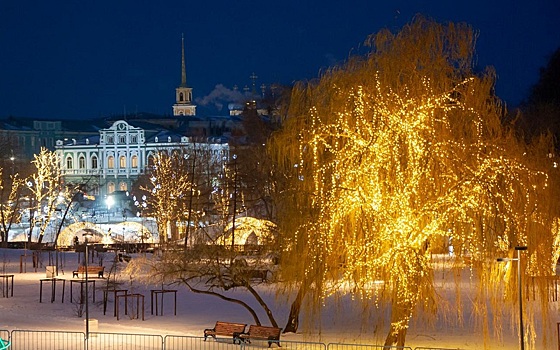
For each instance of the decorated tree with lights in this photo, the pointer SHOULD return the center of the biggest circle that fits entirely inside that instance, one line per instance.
(394, 154)
(44, 186)
(168, 184)
(10, 209)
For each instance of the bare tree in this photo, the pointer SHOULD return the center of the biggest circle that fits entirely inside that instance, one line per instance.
(224, 252)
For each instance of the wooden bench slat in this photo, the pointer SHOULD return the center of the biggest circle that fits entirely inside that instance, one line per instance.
(90, 270)
(272, 334)
(225, 328)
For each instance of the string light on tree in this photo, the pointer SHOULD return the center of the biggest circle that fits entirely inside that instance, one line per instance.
(395, 151)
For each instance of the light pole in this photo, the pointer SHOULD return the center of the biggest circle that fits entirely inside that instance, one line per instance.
(519, 292)
(86, 236)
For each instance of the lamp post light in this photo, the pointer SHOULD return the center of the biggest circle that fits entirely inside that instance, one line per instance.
(86, 236)
(519, 292)
(140, 214)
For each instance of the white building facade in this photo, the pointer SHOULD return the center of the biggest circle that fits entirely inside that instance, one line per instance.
(114, 159)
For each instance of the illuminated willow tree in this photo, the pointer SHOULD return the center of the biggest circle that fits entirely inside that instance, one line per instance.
(392, 154)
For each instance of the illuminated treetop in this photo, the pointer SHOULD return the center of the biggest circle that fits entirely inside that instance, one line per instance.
(392, 153)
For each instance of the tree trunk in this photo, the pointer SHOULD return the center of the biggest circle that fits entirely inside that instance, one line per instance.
(400, 318)
(262, 303)
(293, 318)
(223, 297)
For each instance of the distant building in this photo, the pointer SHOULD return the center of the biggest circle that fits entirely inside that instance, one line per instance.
(115, 157)
(22, 138)
(110, 153)
(183, 94)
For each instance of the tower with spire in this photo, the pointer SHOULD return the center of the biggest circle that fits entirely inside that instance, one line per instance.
(183, 94)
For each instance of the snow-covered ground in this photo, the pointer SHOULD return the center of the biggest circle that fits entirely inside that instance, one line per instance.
(195, 312)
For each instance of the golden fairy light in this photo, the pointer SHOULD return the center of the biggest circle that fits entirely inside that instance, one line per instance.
(166, 192)
(397, 153)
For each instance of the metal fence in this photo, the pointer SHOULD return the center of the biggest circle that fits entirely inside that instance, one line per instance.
(24, 340)
(174, 342)
(121, 341)
(337, 346)
(61, 340)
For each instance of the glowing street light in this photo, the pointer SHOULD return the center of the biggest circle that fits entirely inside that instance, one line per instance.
(520, 293)
(110, 202)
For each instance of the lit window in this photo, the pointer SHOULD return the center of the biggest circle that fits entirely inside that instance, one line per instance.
(81, 162)
(110, 187)
(122, 162)
(123, 186)
(111, 162)
(134, 161)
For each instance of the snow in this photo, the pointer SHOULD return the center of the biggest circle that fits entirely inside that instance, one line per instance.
(195, 312)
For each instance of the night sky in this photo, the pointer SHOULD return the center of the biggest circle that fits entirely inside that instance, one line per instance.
(81, 59)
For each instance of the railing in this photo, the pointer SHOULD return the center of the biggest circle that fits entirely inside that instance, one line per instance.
(337, 346)
(22, 339)
(102, 341)
(43, 340)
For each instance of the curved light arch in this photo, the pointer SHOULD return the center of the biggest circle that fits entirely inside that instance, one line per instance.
(249, 230)
(66, 237)
(102, 234)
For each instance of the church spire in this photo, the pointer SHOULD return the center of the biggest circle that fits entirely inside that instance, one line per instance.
(183, 66)
(183, 94)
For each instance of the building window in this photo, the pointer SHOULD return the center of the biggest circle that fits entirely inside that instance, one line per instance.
(81, 162)
(181, 96)
(123, 186)
(122, 162)
(94, 162)
(134, 139)
(110, 140)
(110, 187)
(134, 161)
(122, 139)
(69, 163)
(111, 162)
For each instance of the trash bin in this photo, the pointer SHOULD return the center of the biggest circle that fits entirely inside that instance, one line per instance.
(51, 271)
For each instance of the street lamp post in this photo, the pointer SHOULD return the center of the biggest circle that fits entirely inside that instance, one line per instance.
(86, 236)
(519, 292)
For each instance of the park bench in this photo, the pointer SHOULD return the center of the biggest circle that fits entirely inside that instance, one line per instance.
(225, 328)
(271, 334)
(91, 270)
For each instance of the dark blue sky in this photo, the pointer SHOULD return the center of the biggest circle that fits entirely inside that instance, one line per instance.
(90, 58)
